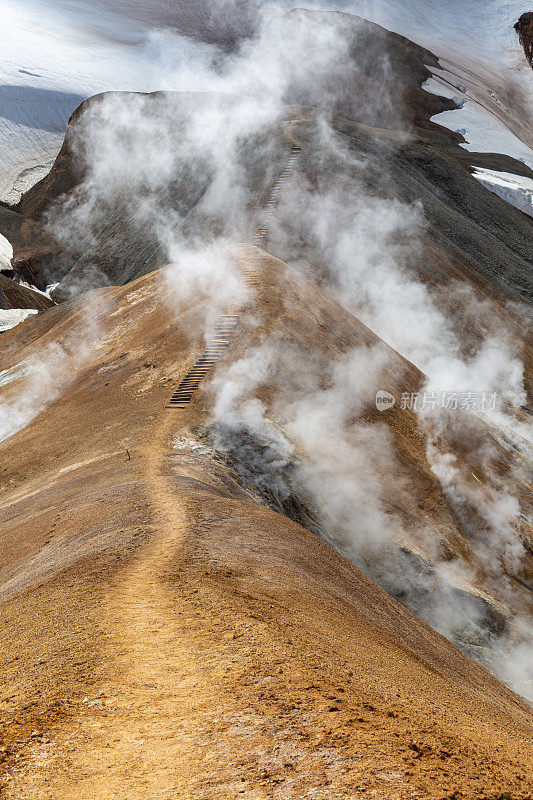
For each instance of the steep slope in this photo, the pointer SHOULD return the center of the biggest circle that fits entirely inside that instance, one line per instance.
(13, 295)
(488, 240)
(482, 231)
(479, 57)
(435, 235)
(117, 207)
(184, 620)
(190, 586)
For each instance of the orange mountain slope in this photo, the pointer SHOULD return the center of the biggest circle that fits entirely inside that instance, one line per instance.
(164, 634)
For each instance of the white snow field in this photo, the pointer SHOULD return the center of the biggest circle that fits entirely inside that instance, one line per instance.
(53, 55)
(451, 27)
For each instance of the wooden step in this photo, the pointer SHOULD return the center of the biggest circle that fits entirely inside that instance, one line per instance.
(225, 328)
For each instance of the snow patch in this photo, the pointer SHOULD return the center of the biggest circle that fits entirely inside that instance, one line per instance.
(14, 316)
(13, 373)
(483, 131)
(6, 253)
(50, 288)
(515, 189)
(33, 288)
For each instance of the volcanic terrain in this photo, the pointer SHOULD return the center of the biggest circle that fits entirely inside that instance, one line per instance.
(225, 571)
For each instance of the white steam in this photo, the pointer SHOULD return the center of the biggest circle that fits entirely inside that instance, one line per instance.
(32, 385)
(153, 160)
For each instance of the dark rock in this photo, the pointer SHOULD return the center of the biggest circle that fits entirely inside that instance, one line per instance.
(524, 29)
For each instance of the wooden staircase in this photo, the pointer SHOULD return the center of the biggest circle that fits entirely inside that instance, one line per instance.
(227, 323)
(224, 330)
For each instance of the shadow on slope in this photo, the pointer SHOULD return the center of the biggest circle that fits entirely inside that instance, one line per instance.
(19, 102)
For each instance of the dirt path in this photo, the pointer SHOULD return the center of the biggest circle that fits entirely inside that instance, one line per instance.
(137, 738)
(206, 689)
(173, 717)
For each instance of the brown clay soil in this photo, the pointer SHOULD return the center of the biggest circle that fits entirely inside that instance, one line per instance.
(165, 636)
